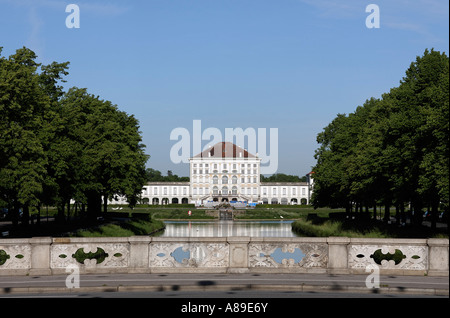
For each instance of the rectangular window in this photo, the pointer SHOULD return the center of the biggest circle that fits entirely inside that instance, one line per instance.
(155, 191)
(165, 190)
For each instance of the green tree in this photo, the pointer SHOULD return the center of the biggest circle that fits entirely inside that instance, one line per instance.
(24, 109)
(393, 150)
(282, 177)
(108, 144)
(426, 87)
(58, 146)
(153, 175)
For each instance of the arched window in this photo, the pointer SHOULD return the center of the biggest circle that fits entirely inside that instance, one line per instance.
(224, 190)
(224, 180)
(234, 180)
(234, 190)
(215, 190)
(215, 180)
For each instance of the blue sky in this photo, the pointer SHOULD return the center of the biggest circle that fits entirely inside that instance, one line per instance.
(286, 64)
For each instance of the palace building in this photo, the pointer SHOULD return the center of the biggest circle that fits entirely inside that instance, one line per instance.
(224, 173)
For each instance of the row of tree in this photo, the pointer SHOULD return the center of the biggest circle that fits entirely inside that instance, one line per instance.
(56, 146)
(282, 177)
(392, 151)
(153, 175)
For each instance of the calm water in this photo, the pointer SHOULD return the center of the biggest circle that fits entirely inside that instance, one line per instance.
(228, 228)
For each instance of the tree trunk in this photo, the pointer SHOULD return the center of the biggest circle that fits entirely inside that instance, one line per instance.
(105, 203)
(387, 207)
(348, 210)
(397, 214)
(94, 205)
(26, 215)
(402, 212)
(38, 220)
(60, 216)
(15, 213)
(68, 210)
(434, 214)
(417, 208)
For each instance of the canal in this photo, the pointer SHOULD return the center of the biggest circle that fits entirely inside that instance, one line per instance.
(228, 228)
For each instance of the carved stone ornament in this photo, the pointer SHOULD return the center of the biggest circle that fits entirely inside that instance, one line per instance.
(288, 255)
(388, 257)
(90, 255)
(189, 255)
(15, 256)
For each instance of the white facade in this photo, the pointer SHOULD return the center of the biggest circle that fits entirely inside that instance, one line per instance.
(166, 192)
(224, 172)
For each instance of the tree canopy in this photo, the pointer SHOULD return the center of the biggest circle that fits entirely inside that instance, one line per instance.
(282, 177)
(392, 151)
(153, 175)
(56, 146)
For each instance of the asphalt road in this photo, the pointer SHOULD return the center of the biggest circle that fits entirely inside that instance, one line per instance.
(222, 294)
(205, 284)
(229, 295)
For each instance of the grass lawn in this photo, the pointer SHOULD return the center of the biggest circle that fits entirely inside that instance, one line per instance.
(123, 229)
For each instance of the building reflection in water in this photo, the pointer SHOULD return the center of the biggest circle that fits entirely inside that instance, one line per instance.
(228, 228)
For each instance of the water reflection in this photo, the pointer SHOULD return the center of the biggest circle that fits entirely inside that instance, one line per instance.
(228, 228)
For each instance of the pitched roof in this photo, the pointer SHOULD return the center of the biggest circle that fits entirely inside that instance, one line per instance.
(225, 150)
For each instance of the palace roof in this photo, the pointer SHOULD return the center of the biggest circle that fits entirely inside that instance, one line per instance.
(225, 150)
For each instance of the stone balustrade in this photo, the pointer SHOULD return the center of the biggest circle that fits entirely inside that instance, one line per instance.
(144, 254)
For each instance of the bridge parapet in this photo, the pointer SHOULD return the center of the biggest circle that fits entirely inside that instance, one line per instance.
(143, 254)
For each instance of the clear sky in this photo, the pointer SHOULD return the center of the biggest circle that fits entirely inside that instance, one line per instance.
(286, 64)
